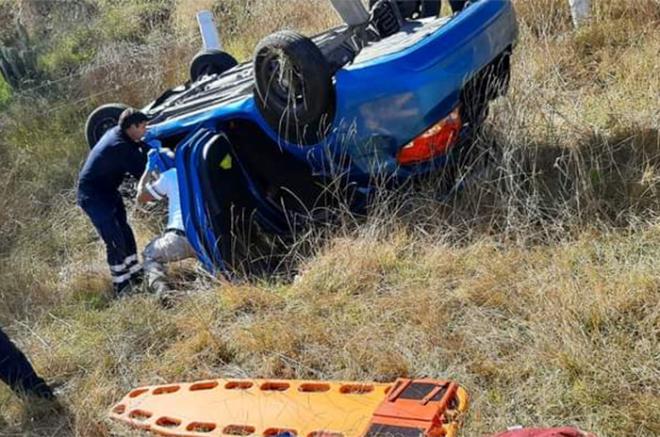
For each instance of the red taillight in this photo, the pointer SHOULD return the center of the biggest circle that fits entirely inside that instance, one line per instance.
(434, 142)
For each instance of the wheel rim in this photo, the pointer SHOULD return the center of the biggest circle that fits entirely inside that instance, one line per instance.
(284, 82)
(103, 126)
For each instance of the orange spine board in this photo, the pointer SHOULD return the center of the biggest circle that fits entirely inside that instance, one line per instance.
(224, 407)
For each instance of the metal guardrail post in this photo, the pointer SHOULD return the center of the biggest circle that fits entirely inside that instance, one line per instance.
(580, 11)
(352, 12)
(210, 35)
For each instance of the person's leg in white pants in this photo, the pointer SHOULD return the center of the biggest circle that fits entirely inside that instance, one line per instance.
(168, 247)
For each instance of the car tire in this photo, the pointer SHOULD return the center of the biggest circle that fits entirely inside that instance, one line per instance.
(211, 61)
(293, 86)
(101, 120)
(429, 8)
(407, 8)
(457, 5)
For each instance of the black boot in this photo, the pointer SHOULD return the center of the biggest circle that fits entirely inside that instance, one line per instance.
(17, 372)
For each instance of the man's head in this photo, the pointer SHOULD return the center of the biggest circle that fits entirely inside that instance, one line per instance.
(134, 123)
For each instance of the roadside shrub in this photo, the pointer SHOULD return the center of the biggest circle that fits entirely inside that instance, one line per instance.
(7, 17)
(5, 93)
(132, 21)
(69, 53)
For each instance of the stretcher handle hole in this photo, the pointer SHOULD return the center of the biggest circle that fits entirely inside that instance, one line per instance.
(274, 432)
(453, 403)
(119, 409)
(325, 434)
(137, 392)
(201, 427)
(314, 388)
(356, 389)
(140, 415)
(203, 386)
(168, 389)
(274, 386)
(168, 422)
(238, 430)
(240, 385)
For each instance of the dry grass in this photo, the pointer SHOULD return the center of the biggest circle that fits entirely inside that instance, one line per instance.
(537, 286)
(543, 335)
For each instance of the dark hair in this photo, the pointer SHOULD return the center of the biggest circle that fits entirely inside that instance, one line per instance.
(130, 117)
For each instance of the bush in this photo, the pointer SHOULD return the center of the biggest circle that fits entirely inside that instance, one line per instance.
(69, 53)
(132, 21)
(6, 21)
(5, 93)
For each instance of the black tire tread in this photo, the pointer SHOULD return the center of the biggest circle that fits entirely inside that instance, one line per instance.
(223, 62)
(110, 109)
(312, 64)
(430, 8)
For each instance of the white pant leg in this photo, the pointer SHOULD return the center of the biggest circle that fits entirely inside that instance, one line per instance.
(168, 247)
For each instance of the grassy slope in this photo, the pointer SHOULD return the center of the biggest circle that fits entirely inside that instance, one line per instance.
(537, 288)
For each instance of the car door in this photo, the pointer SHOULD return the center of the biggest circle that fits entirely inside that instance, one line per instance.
(192, 206)
(227, 218)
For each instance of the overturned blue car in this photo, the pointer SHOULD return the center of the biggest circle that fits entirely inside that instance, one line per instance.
(264, 146)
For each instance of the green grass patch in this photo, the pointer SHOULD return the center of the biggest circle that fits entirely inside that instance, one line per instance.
(5, 93)
(69, 53)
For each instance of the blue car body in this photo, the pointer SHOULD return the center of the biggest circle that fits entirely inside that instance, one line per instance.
(385, 98)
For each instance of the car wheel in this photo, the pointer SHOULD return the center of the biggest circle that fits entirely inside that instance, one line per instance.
(429, 8)
(407, 8)
(209, 62)
(457, 5)
(101, 120)
(293, 86)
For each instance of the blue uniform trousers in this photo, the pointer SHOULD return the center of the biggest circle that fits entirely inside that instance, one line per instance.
(109, 219)
(17, 372)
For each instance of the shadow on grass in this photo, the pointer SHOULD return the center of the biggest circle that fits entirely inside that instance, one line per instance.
(602, 181)
(532, 192)
(38, 418)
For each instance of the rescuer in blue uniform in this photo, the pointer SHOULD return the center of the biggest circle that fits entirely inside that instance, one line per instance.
(17, 372)
(119, 152)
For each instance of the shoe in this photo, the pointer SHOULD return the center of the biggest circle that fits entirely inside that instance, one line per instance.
(161, 289)
(167, 300)
(41, 409)
(130, 287)
(138, 277)
(127, 289)
(42, 391)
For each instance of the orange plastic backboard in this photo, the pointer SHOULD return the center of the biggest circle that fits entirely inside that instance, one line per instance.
(223, 407)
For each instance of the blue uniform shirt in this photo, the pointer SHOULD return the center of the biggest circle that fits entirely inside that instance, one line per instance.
(106, 166)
